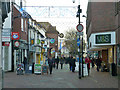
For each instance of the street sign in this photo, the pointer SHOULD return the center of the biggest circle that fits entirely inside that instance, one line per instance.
(79, 33)
(78, 42)
(16, 43)
(79, 27)
(15, 35)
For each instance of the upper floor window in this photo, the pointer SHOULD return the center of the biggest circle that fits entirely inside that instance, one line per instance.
(25, 26)
(22, 28)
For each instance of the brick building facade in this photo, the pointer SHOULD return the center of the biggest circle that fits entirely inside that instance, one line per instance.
(103, 31)
(20, 25)
(51, 33)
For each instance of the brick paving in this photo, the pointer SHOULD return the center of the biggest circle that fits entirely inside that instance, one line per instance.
(61, 79)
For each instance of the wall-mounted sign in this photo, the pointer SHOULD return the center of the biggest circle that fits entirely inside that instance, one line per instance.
(15, 35)
(42, 41)
(38, 41)
(32, 41)
(52, 40)
(6, 35)
(103, 39)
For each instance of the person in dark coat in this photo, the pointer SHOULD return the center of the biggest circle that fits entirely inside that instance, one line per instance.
(73, 64)
(57, 62)
(98, 63)
(92, 60)
(53, 62)
(25, 63)
(61, 62)
(70, 61)
(50, 62)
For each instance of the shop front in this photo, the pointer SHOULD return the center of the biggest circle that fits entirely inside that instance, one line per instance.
(20, 51)
(105, 45)
(118, 59)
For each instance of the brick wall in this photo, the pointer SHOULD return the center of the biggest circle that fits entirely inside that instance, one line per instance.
(102, 17)
(55, 36)
(17, 25)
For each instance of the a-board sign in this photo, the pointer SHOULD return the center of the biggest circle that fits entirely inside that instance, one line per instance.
(37, 69)
(44, 69)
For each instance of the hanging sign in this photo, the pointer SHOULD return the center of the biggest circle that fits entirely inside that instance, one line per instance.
(52, 40)
(15, 35)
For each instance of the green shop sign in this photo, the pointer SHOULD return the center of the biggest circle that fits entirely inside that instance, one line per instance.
(38, 41)
(103, 39)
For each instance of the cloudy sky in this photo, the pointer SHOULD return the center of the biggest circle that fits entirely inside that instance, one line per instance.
(60, 13)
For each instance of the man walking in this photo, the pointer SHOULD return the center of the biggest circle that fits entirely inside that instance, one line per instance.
(50, 62)
(73, 64)
(61, 62)
(57, 62)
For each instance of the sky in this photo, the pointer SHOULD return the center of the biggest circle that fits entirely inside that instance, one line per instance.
(62, 13)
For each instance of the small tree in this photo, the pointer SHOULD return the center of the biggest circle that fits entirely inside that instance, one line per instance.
(71, 42)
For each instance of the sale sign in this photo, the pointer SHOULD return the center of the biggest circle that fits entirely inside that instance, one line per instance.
(15, 35)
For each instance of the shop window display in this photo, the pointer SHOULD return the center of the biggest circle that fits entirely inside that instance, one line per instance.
(118, 52)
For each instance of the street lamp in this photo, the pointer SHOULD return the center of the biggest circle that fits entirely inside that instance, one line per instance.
(78, 15)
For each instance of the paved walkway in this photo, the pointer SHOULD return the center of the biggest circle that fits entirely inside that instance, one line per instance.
(61, 79)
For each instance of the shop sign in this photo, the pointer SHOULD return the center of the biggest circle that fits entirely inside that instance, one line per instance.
(6, 35)
(32, 41)
(15, 35)
(5, 43)
(37, 68)
(38, 41)
(103, 39)
(42, 41)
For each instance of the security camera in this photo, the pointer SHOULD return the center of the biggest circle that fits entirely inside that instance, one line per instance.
(73, 1)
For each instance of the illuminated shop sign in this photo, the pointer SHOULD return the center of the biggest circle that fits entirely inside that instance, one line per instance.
(103, 39)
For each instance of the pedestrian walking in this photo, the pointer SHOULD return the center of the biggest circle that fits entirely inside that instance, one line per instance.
(88, 61)
(50, 62)
(53, 61)
(92, 60)
(98, 63)
(70, 63)
(73, 64)
(25, 63)
(61, 62)
(57, 62)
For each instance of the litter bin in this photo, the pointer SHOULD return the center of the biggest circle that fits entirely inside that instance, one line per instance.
(113, 69)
